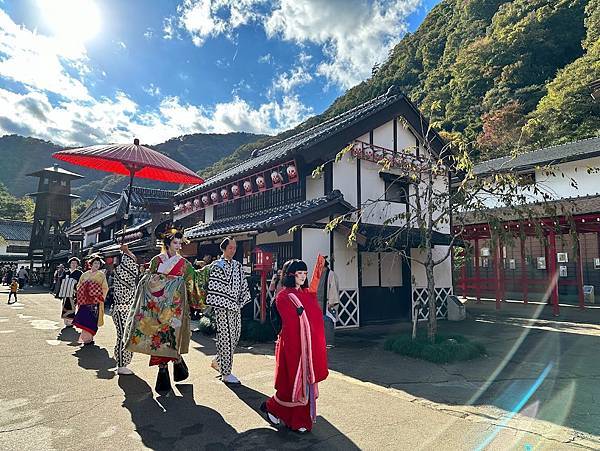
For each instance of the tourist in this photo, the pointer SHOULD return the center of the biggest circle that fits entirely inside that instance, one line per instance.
(159, 323)
(227, 293)
(14, 287)
(66, 291)
(22, 275)
(328, 294)
(126, 275)
(275, 286)
(59, 276)
(91, 292)
(300, 354)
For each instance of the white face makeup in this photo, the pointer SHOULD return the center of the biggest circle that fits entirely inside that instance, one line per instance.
(300, 278)
(175, 246)
(96, 265)
(73, 265)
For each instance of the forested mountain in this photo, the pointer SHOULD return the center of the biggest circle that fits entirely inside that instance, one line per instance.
(21, 156)
(495, 74)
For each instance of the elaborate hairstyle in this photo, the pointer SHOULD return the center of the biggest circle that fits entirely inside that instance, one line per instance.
(225, 242)
(166, 232)
(93, 257)
(289, 273)
(73, 259)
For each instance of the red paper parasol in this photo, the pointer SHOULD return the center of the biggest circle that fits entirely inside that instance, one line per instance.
(133, 160)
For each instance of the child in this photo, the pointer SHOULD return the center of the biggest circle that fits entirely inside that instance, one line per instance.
(14, 286)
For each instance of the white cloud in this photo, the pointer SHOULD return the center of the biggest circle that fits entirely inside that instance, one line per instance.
(152, 90)
(267, 59)
(72, 122)
(287, 81)
(149, 33)
(353, 34)
(39, 62)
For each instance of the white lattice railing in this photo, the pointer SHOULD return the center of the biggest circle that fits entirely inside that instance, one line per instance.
(419, 297)
(348, 310)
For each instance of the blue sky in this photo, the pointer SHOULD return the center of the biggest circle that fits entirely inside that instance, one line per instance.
(79, 72)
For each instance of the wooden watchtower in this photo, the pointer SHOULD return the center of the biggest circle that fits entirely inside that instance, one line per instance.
(52, 215)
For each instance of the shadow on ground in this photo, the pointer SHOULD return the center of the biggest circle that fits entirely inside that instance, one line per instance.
(177, 422)
(539, 365)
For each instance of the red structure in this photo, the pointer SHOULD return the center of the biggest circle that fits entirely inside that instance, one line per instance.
(571, 244)
(263, 264)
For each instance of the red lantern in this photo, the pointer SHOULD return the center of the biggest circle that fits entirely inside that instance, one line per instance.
(263, 263)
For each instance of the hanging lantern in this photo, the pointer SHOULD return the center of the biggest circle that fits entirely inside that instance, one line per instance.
(196, 203)
(357, 149)
(368, 152)
(214, 197)
(276, 179)
(225, 194)
(292, 173)
(205, 200)
(235, 190)
(248, 187)
(260, 182)
(188, 205)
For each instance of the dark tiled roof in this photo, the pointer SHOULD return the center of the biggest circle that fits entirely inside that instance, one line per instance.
(576, 150)
(15, 230)
(270, 219)
(105, 198)
(560, 207)
(55, 170)
(285, 149)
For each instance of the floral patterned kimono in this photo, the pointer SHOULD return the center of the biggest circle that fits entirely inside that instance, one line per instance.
(91, 292)
(159, 323)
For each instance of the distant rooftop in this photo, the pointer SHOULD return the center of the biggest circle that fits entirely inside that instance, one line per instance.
(15, 230)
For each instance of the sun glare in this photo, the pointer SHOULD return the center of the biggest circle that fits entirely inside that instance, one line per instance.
(75, 20)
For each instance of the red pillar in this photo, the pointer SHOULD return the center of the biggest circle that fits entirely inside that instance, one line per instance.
(497, 261)
(463, 274)
(579, 271)
(524, 272)
(553, 273)
(476, 265)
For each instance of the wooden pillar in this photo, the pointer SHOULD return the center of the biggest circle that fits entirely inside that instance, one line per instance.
(579, 271)
(476, 258)
(524, 272)
(553, 272)
(497, 261)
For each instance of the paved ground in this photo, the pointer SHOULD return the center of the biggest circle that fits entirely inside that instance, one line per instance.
(536, 389)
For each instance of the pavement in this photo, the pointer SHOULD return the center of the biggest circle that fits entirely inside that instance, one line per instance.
(536, 389)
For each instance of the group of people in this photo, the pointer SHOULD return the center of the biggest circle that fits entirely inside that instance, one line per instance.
(152, 312)
(10, 273)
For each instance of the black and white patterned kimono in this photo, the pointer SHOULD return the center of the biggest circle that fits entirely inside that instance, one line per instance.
(125, 280)
(227, 293)
(66, 293)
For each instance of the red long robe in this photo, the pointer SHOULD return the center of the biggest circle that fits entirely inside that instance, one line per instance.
(288, 357)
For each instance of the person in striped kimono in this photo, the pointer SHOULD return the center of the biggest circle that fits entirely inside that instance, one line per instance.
(66, 292)
(227, 293)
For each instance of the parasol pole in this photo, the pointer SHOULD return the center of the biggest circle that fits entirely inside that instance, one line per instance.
(132, 170)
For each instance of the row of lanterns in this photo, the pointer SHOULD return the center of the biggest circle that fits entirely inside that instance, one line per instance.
(240, 189)
(374, 153)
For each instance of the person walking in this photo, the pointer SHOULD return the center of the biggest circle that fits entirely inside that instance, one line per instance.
(22, 275)
(91, 292)
(227, 293)
(328, 295)
(126, 276)
(66, 291)
(300, 354)
(59, 277)
(14, 287)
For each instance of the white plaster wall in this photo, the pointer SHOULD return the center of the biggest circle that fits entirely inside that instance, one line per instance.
(346, 262)
(7, 243)
(208, 215)
(344, 178)
(315, 187)
(383, 135)
(442, 272)
(376, 210)
(314, 242)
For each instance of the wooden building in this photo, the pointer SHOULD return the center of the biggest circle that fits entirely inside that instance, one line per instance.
(272, 201)
(14, 242)
(556, 264)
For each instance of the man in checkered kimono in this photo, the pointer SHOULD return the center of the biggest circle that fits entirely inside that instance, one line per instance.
(227, 293)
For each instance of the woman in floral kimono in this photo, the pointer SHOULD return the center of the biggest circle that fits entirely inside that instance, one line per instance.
(67, 290)
(300, 354)
(159, 323)
(91, 292)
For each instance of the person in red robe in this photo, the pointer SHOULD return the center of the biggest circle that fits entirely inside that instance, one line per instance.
(300, 353)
